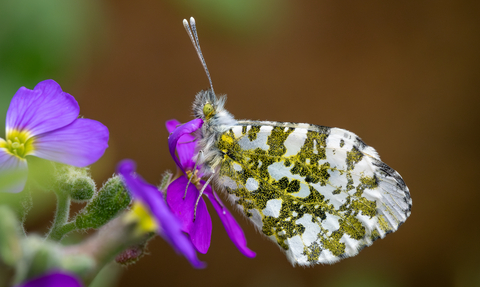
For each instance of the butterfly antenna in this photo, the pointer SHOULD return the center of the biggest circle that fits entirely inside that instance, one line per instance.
(192, 33)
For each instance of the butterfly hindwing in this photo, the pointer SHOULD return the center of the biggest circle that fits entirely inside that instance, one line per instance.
(321, 193)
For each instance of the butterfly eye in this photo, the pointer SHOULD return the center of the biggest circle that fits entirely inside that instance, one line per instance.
(208, 111)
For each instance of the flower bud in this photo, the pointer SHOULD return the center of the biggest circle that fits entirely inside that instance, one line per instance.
(131, 255)
(75, 181)
(105, 205)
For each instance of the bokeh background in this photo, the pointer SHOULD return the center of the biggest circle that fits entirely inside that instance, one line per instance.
(402, 75)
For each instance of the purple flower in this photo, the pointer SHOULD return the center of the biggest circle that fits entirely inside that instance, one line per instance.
(151, 197)
(44, 122)
(200, 230)
(53, 279)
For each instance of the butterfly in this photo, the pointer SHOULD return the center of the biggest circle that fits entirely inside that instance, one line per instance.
(320, 193)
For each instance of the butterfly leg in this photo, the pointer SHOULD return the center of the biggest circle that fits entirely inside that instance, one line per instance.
(200, 195)
(218, 200)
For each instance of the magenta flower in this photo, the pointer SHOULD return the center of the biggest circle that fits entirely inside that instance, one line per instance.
(200, 230)
(44, 122)
(53, 279)
(151, 197)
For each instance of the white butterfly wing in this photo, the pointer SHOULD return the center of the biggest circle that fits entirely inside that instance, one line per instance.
(321, 193)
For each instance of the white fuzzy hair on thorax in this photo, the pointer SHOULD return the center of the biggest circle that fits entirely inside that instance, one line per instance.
(206, 151)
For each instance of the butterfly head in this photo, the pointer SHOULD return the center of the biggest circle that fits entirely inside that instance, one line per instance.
(206, 105)
(211, 109)
(208, 111)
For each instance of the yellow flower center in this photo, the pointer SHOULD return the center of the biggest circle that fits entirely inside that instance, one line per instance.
(141, 215)
(18, 143)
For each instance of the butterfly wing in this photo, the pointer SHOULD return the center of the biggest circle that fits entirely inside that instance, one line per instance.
(321, 193)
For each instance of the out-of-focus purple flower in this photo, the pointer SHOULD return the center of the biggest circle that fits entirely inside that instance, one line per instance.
(44, 122)
(53, 279)
(200, 230)
(147, 194)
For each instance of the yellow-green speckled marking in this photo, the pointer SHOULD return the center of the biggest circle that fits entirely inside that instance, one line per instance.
(339, 196)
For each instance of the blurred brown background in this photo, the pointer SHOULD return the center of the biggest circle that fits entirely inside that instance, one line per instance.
(404, 76)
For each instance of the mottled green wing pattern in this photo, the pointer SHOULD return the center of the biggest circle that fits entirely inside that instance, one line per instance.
(321, 193)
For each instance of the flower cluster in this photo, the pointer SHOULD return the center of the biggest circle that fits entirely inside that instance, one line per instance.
(45, 123)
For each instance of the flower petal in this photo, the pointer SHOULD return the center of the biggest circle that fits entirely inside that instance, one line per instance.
(149, 195)
(185, 145)
(200, 230)
(43, 109)
(171, 125)
(233, 229)
(54, 279)
(174, 138)
(13, 172)
(80, 144)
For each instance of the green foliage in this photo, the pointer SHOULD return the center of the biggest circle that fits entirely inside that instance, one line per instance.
(109, 200)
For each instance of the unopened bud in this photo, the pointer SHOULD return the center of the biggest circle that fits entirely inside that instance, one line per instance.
(105, 205)
(75, 181)
(131, 255)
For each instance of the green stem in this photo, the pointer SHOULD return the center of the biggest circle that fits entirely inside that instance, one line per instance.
(61, 217)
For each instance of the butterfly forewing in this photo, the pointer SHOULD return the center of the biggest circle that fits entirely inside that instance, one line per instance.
(321, 193)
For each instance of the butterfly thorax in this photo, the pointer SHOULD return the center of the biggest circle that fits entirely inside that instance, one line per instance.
(216, 121)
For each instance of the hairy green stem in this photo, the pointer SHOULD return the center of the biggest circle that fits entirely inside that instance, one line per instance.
(61, 217)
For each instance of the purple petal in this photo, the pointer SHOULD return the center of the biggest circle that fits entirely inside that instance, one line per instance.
(80, 144)
(185, 145)
(200, 230)
(171, 125)
(233, 229)
(173, 139)
(150, 196)
(13, 172)
(43, 109)
(54, 279)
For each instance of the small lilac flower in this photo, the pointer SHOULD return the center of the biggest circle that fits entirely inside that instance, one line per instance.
(53, 279)
(200, 230)
(44, 122)
(151, 197)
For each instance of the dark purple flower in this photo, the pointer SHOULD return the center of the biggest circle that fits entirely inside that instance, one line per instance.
(53, 279)
(200, 230)
(44, 122)
(147, 194)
